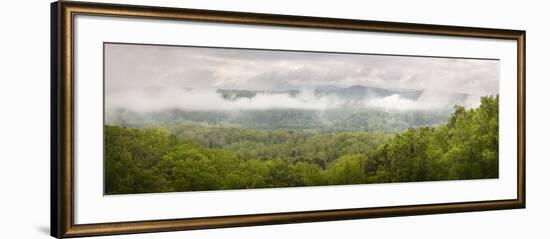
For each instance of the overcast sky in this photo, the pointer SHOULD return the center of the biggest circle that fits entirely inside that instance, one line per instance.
(144, 66)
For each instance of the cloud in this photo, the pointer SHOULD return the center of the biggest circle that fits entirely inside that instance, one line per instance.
(209, 100)
(169, 66)
(149, 78)
(428, 100)
(152, 100)
(394, 102)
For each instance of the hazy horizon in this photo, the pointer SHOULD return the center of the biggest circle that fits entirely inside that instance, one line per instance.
(152, 77)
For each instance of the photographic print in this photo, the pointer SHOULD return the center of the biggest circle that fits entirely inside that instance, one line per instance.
(188, 118)
(158, 113)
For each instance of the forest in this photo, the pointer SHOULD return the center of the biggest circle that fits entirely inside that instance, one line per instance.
(202, 156)
(342, 109)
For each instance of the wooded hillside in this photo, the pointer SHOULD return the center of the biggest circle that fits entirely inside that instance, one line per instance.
(197, 157)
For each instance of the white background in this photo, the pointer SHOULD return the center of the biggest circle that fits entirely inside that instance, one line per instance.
(24, 125)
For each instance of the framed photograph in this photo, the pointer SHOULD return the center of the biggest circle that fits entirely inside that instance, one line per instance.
(170, 119)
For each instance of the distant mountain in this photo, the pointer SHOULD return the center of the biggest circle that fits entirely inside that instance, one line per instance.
(328, 87)
(355, 92)
(230, 94)
(357, 108)
(352, 93)
(358, 92)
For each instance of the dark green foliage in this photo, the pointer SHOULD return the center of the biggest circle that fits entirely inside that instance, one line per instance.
(197, 157)
(465, 148)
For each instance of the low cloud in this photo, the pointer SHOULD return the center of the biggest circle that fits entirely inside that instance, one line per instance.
(128, 66)
(151, 100)
(210, 100)
(428, 100)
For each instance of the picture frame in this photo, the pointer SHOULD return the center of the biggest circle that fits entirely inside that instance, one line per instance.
(64, 120)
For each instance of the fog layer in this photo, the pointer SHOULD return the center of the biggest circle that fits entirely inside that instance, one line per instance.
(139, 100)
(145, 78)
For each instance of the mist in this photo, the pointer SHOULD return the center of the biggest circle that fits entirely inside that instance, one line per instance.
(427, 101)
(144, 101)
(152, 78)
(210, 100)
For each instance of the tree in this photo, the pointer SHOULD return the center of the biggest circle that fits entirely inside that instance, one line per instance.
(201, 157)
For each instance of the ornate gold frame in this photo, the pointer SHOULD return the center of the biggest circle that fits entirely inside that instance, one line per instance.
(62, 184)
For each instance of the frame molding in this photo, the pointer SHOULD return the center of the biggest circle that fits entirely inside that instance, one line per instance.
(62, 118)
